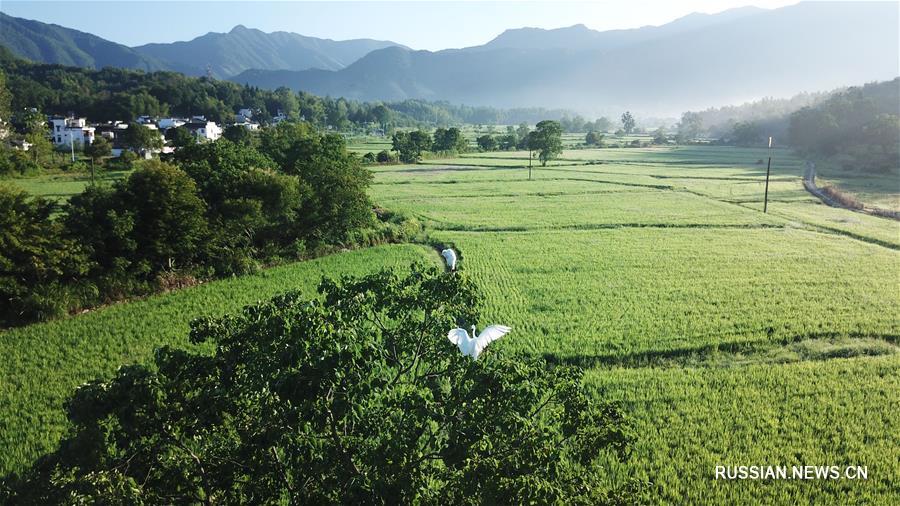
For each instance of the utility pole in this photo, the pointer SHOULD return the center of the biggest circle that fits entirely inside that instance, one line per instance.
(768, 171)
(72, 145)
(529, 164)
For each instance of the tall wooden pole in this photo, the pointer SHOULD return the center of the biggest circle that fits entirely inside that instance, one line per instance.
(529, 164)
(768, 171)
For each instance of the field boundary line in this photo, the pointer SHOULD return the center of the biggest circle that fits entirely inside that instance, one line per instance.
(613, 226)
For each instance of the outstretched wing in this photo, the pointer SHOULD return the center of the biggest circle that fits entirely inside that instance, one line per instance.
(457, 336)
(488, 336)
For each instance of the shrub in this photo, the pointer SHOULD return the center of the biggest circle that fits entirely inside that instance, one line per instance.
(125, 161)
(844, 199)
(354, 397)
(36, 261)
(16, 162)
(384, 156)
(593, 139)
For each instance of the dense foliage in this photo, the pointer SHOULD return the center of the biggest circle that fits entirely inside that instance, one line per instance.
(353, 397)
(410, 145)
(119, 94)
(546, 139)
(769, 113)
(858, 128)
(218, 209)
(38, 266)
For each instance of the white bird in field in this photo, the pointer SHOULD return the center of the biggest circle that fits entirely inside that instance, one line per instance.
(450, 256)
(473, 346)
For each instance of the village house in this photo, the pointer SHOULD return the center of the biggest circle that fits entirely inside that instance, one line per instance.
(167, 123)
(71, 131)
(204, 130)
(111, 129)
(246, 123)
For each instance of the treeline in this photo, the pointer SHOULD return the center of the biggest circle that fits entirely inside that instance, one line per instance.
(769, 113)
(216, 209)
(444, 114)
(856, 129)
(117, 94)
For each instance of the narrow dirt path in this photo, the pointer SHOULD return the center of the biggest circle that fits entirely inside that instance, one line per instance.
(809, 182)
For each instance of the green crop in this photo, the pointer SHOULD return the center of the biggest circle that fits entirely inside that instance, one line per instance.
(729, 336)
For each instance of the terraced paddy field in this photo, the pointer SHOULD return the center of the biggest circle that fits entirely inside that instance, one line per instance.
(731, 337)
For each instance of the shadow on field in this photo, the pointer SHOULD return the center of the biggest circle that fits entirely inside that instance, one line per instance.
(818, 346)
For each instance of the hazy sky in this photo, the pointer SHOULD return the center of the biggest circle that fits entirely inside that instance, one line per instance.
(420, 25)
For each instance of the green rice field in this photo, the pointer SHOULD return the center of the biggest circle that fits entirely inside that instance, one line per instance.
(729, 336)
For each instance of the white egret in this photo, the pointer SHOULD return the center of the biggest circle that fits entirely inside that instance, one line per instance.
(450, 256)
(473, 346)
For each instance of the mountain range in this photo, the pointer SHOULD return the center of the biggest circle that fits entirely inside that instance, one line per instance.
(243, 48)
(690, 63)
(221, 54)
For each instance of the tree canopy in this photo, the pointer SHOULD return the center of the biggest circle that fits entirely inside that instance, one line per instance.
(355, 396)
(546, 139)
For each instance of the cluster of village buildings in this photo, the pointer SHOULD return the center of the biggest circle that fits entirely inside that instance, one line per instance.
(74, 131)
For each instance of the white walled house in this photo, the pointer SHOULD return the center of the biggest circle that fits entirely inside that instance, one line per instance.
(246, 123)
(204, 130)
(167, 123)
(66, 131)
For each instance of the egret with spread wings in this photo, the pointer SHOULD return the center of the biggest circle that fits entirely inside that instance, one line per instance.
(473, 346)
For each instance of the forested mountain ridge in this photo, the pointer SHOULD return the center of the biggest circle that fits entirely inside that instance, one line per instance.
(43, 42)
(808, 46)
(243, 48)
(222, 54)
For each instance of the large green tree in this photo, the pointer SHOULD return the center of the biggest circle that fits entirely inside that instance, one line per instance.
(153, 221)
(98, 149)
(252, 207)
(546, 139)
(411, 145)
(137, 137)
(450, 139)
(354, 397)
(180, 137)
(487, 142)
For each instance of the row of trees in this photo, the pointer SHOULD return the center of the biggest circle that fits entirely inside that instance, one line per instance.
(410, 145)
(858, 128)
(545, 139)
(217, 209)
(118, 94)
